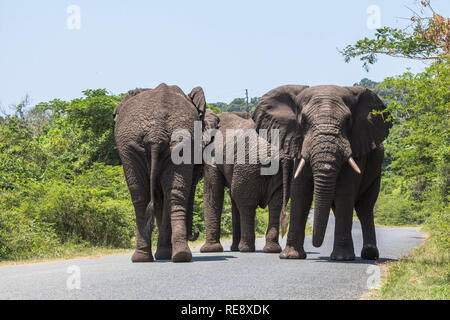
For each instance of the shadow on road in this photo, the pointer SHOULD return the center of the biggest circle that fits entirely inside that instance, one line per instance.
(200, 259)
(358, 260)
(212, 258)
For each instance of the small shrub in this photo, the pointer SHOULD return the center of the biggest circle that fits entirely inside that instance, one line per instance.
(24, 238)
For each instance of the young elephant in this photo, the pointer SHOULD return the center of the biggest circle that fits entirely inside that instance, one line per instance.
(248, 188)
(145, 120)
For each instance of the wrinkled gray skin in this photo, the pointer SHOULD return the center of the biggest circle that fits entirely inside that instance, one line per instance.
(326, 125)
(248, 190)
(145, 120)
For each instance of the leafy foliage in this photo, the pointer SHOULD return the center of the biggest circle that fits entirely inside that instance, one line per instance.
(52, 191)
(428, 40)
(238, 104)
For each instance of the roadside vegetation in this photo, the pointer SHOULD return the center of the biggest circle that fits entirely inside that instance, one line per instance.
(424, 274)
(416, 178)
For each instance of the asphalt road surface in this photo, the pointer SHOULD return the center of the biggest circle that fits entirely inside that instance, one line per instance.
(227, 275)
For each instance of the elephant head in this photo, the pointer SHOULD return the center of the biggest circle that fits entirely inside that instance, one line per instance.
(325, 127)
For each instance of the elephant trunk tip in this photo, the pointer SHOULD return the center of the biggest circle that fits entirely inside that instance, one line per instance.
(193, 237)
(284, 221)
(317, 241)
(321, 215)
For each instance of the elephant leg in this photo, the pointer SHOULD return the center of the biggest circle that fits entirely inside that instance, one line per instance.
(164, 248)
(364, 209)
(272, 234)
(301, 199)
(343, 249)
(236, 224)
(176, 182)
(213, 186)
(139, 185)
(247, 218)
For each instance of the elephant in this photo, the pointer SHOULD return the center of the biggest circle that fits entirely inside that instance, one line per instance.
(248, 188)
(335, 136)
(144, 123)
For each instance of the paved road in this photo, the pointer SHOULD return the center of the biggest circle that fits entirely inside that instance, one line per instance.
(227, 275)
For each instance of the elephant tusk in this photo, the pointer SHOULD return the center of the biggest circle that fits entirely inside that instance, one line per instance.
(300, 168)
(354, 165)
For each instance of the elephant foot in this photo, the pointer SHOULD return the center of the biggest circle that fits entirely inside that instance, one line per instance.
(272, 247)
(343, 254)
(141, 256)
(181, 253)
(291, 252)
(234, 247)
(163, 253)
(244, 247)
(211, 247)
(370, 252)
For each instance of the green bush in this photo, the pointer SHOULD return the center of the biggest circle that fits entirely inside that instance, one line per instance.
(397, 210)
(93, 207)
(23, 238)
(261, 220)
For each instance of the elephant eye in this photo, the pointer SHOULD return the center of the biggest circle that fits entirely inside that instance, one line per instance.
(303, 120)
(348, 122)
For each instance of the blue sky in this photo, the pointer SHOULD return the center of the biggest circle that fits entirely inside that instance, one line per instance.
(223, 46)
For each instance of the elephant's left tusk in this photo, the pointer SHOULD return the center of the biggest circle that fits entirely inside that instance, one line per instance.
(354, 165)
(300, 168)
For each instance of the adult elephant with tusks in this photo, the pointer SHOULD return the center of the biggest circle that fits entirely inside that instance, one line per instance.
(146, 119)
(334, 135)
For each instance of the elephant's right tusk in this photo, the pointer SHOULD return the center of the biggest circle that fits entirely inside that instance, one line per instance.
(354, 165)
(300, 168)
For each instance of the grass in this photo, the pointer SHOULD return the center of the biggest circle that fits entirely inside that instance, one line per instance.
(68, 252)
(423, 275)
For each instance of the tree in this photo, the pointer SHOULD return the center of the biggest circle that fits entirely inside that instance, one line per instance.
(429, 40)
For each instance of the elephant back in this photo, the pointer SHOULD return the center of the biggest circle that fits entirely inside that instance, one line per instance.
(154, 114)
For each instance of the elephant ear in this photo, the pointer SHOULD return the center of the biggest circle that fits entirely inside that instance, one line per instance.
(211, 120)
(197, 97)
(279, 109)
(368, 129)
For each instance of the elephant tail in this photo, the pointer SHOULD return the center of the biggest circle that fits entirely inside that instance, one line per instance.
(150, 210)
(286, 167)
(190, 209)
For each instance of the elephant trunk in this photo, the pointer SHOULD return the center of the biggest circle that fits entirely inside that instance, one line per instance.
(326, 161)
(286, 166)
(324, 189)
